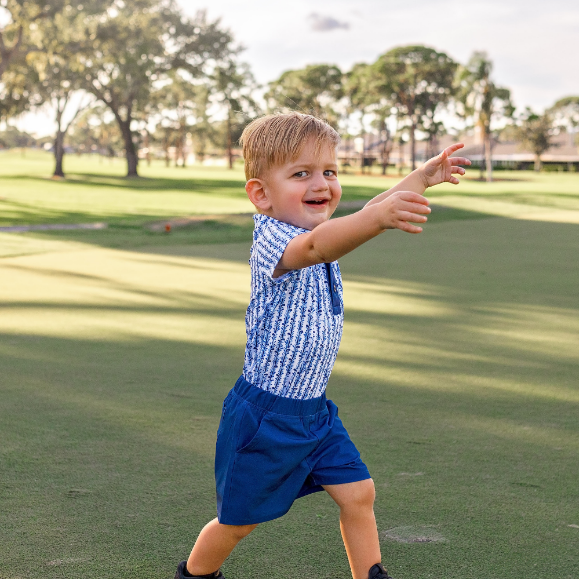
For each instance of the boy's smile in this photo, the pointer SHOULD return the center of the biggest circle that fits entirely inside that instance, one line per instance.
(303, 192)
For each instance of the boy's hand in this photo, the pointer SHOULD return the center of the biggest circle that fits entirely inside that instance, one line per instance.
(403, 208)
(440, 169)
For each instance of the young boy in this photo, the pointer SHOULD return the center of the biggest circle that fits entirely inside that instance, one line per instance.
(279, 437)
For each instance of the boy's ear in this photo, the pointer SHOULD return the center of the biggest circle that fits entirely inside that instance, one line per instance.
(256, 192)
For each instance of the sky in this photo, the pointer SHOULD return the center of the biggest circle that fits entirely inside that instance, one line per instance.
(534, 44)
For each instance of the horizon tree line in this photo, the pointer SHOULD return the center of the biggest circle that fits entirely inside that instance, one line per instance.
(131, 72)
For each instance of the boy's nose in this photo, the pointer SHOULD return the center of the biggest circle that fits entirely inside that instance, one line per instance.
(319, 183)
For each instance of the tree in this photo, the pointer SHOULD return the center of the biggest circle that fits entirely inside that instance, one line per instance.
(565, 113)
(182, 105)
(314, 89)
(18, 35)
(433, 129)
(234, 84)
(94, 132)
(18, 90)
(58, 74)
(482, 100)
(536, 132)
(134, 45)
(12, 137)
(356, 92)
(417, 81)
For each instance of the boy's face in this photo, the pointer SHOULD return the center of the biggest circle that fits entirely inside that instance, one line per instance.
(303, 192)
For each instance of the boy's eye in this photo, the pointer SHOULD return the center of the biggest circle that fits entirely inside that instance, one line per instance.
(300, 174)
(329, 173)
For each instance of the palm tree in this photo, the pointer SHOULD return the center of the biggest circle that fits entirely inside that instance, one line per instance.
(482, 100)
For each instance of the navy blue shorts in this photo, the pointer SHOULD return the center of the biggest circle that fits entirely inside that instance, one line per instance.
(273, 450)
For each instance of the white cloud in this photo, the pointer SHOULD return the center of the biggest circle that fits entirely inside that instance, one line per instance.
(325, 23)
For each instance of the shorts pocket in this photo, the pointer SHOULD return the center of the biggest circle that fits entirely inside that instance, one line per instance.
(249, 428)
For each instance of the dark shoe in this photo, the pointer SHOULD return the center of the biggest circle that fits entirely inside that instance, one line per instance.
(378, 572)
(183, 565)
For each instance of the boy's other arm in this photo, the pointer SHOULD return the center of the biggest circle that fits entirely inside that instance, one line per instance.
(439, 169)
(333, 239)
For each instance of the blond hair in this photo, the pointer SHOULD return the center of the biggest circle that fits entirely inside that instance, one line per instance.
(274, 140)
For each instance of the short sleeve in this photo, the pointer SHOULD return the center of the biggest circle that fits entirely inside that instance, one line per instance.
(270, 240)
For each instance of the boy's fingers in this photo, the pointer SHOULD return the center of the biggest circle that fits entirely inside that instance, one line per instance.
(458, 170)
(413, 217)
(450, 150)
(413, 197)
(417, 208)
(461, 161)
(408, 227)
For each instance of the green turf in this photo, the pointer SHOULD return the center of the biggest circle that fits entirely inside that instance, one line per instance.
(457, 379)
(96, 191)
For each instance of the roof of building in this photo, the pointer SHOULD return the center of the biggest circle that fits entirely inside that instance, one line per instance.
(564, 149)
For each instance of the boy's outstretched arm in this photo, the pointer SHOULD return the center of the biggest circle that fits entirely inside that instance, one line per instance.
(398, 208)
(333, 239)
(439, 169)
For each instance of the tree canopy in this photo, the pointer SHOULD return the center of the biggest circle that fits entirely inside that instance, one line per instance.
(162, 77)
(417, 81)
(121, 67)
(314, 89)
(536, 132)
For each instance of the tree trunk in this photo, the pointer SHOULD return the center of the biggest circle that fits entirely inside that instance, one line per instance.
(183, 151)
(59, 139)
(400, 156)
(147, 145)
(130, 149)
(413, 144)
(229, 139)
(482, 160)
(385, 147)
(538, 164)
(363, 151)
(166, 149)
(489, 157)
(177, 149)
(58, 154)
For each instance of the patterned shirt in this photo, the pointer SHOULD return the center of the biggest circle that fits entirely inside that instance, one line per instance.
(293, 322)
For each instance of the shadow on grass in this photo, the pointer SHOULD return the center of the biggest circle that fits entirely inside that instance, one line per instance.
(465, 415)
(223, 187)
(133, 232)
(236, 187)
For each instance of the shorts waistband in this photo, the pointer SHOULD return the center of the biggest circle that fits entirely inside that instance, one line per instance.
(278, 404)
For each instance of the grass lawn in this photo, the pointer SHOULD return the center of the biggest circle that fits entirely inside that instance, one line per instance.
(457, 379)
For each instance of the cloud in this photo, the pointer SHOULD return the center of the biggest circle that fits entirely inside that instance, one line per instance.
(324, 23)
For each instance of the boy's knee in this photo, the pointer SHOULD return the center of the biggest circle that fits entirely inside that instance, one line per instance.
(241, 531)
(355, 496)
(361, 495)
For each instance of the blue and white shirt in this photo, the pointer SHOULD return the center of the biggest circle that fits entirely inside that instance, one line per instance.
(293, 322)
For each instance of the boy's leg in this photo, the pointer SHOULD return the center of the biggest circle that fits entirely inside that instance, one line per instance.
(358, 524)
(213, 546)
